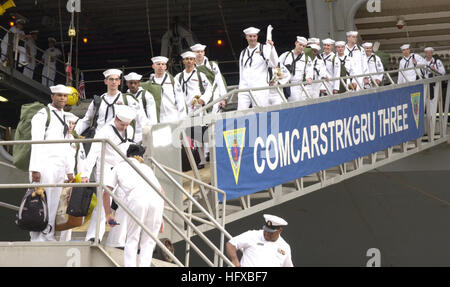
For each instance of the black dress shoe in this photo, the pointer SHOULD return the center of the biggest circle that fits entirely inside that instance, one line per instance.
(200, 166)
(207, 157)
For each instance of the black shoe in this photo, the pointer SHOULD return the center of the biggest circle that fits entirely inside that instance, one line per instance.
(207, 157)
(200, 166)
(93, 240)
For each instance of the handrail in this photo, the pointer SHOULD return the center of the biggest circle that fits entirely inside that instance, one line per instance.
(120, 203)
(302, 83)
(38, 49)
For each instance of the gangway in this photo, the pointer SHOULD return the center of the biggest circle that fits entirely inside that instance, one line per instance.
(199, 202)
(436, 108)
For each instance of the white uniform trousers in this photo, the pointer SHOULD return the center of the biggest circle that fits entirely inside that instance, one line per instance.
(149, 209)
(314, 90)
(244, 99)
(297, 94)
(48, 79)
(28, 71)
(90, 234)
(118, 234)
(53, 174)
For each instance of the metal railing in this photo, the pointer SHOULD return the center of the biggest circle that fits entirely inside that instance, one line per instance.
(356, 78)
(436, 117)
(101, 186)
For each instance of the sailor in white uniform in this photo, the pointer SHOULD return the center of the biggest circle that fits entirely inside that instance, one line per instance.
(374, 65)
(332, 65)
(119, 131)
(218, 82)
(356, 52)
(261, 248)
(197, 92)
(109, 102)
(195, 85)
(31, 50)
(49, 58)
(300, 66)
(433, 64)
(143, 201)
(17, 31)
(173, 107)
(319, 72)
(147, 106)
(51, 163)
(347, 67)
(409, 60)
(254, 63)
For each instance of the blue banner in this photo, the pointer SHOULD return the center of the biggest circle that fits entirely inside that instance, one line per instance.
(263, 150)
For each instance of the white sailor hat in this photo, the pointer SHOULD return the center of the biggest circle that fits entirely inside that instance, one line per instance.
(339, 43)
(429, 49)
(328, 41)
(110, 72)
(160, 59)
(352, 33)
(60, 89)
(125, 113)
(273, 223)
(51, 39)
(188, 54)
(198, 47)
(404, 47)
(251, 30)
(302, 40)
(20, 21)
(367, 45)
(71, 117)
(133, 77)
(315, 47)
(314, 41)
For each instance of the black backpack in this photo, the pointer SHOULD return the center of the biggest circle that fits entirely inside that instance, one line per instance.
(80, 200)
(33, 212)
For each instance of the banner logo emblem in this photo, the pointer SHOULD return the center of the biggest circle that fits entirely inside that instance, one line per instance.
(235, 140)
(415, 101)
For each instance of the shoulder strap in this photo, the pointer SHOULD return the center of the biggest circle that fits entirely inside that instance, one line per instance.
(261, 51)
(97, 101)
(47, 123)
(200, 82)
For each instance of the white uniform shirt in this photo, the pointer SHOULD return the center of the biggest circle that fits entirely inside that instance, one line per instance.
(219, 87)
(303, 66)
(30, 45)
(54, 154)
(374, 65)
(357, 54)
(333, 67)
(405, 63)
(150, 104)
(190, 87)
(112, 158)
(257, 252)
(105, 113)
(437, 64)
(253, 68)
(50, 55)
(131, 183)
(172, 106)
(5, 39)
